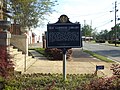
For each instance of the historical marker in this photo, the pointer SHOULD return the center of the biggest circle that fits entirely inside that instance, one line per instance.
(64, 34)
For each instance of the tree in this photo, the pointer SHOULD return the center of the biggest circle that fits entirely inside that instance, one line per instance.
(103, 35)
(112, 32)
(87, 30)
(28, 13)
(94, 33)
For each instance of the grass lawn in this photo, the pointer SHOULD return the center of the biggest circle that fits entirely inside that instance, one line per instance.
(39, 50)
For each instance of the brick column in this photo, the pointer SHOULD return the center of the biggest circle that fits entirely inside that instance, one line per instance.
(5, 38)
(4, 46)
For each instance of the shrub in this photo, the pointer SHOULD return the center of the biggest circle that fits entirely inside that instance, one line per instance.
(113, 42)
(100, 41)
(6, 65)
(57, 54)
(116, 69)
(108, 83)
(40, 81)
(110, 42)
(118, 42)
(105, 83)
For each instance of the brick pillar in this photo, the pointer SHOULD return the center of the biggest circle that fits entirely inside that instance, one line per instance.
(5, 38)
(4, 45)
(4, 34)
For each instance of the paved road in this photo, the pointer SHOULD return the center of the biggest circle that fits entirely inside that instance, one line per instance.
(111, 52)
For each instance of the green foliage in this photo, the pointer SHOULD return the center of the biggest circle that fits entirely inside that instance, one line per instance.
(113, 33)
(1, 79)
(87, 30)
(40, 81)
(40, 50)
(6, 65)
(100, 41)
(103, 35)
(28, 13)
(113, 42)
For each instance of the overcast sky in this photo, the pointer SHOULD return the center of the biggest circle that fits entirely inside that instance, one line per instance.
(93, 12)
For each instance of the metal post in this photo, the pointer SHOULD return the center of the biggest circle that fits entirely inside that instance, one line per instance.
(25, 63)
(64, 63)
(115, 24)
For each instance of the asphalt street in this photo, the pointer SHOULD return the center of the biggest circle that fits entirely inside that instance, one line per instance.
(106, 50)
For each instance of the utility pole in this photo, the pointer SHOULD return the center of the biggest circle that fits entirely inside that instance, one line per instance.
(91, 31)
(85, 30)
(115, 24)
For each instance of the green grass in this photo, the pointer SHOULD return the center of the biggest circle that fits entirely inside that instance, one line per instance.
(102, 58)
(93, 41)
(39, 50)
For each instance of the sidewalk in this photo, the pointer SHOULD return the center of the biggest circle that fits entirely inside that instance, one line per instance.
(81, 63)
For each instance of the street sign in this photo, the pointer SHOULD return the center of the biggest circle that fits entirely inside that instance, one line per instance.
(100, 67)
(64, 34)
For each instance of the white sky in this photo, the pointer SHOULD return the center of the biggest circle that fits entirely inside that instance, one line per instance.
(93, 12)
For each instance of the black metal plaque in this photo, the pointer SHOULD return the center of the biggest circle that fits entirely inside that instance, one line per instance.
(64, 34)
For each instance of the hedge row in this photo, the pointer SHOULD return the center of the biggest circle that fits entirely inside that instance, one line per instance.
(113, 42)
(110, 41)
(41, 81)
(100, 41)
